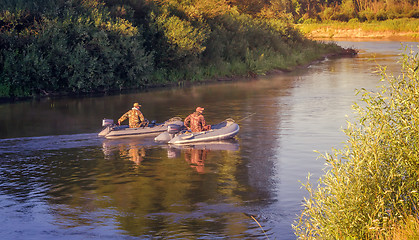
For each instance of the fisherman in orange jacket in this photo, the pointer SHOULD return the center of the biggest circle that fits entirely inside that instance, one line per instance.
(196, 121)
(135, 117)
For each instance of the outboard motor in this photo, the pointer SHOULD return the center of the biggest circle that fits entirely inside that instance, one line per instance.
(107, 122)
(173, 128)
(166, 136)
(107, 125)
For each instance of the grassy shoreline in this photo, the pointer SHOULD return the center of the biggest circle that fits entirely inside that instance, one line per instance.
(396, 28)
(263, 64)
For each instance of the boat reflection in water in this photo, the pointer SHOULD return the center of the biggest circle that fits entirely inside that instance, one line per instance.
(131, 149)
(197, 154)
(134, 149)
(141, 184)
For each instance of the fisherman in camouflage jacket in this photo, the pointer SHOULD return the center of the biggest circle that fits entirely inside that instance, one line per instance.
(136, 118)
(196, 121)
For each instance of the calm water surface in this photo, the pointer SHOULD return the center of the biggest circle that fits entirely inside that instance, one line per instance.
(59, 180)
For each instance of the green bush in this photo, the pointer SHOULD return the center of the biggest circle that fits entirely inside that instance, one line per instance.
(371, 184)
(343, 17)
(39, 6)
(84, 51)
(181, 40)
(327, 13)
(414, 13)
(381, 15)
(366, 16)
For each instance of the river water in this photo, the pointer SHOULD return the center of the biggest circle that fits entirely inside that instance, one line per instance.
(58, 179)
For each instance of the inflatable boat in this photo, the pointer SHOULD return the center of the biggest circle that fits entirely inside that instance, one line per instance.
(113, 131)
(221, 131)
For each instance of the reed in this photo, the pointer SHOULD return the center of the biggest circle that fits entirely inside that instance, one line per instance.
(405, 230)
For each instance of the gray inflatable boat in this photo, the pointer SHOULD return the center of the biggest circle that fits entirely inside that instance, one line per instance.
(221, 131)
(113, 131)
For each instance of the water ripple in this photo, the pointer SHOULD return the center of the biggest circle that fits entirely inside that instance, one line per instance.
(19, 145)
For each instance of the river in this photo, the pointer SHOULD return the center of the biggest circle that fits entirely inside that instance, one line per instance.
(58, 179)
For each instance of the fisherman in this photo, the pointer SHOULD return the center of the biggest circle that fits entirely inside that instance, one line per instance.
(136, 118)
(196, 121)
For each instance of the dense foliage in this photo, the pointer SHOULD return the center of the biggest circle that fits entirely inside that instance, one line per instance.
(83, 46)
(322, 10)
(370, 187)
(76, 47)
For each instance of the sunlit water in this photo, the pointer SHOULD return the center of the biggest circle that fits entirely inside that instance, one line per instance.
(59, 180)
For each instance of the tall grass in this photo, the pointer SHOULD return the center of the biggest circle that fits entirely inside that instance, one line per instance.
(370, 186)
(408, 229)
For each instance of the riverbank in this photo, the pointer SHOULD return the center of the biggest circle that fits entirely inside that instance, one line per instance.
(154, 45)
(396, 28)
(268, 64)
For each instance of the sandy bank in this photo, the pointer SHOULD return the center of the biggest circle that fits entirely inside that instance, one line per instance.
(358, 33)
